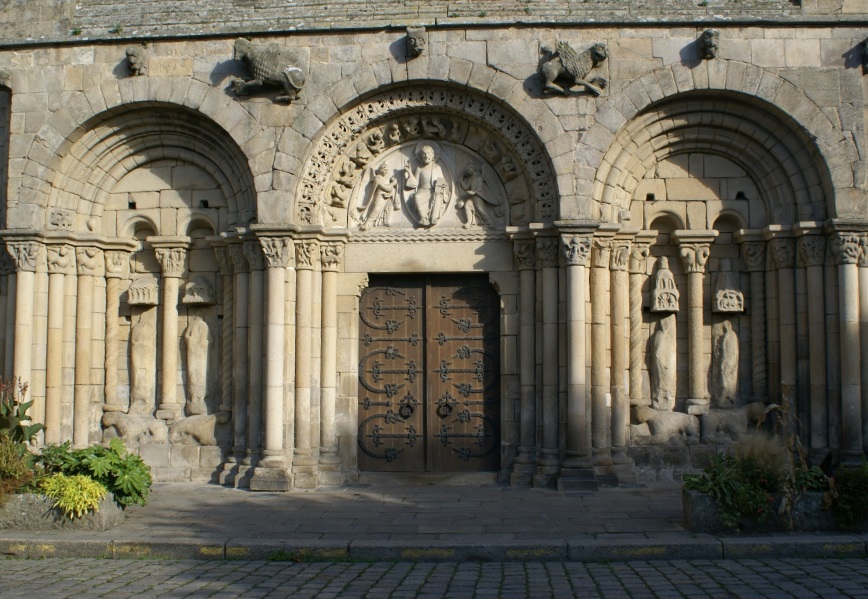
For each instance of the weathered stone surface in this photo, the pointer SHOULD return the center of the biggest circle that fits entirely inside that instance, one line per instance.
(27, 511)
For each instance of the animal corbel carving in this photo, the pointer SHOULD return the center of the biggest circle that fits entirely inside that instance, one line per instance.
(564, 64)
(270, 66)
(416, 41)
(708, 44)
(137, 60)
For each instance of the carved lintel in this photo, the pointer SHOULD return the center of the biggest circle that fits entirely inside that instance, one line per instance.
(305, 254)
(547, 252)
(330, 256)
(601, 252)
(754, 255)
(278, 251)
(25, 254)
(783, 253)
(639, 252)
(171, 261)
(665, 296)
(253, 253)
(525, 254)
(61, 259)
(576, 249)
(116, 264)
(620, 255)
(89, 261)
(812, 250)
(239, 260)
(709, 43)
(847, 247)
(694, 256)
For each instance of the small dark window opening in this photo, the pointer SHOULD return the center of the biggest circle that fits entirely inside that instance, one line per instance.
(131, 205)
(203, 203)
(650, 198)
(740, 196)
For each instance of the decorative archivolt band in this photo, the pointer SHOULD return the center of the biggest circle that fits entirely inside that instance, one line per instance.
(435, 113)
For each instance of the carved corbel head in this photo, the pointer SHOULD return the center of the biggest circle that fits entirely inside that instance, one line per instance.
(709, 44)
(417, 39)
(137, 60)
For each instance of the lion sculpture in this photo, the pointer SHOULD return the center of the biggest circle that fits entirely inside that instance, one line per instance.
(571, 68)
(270, 65)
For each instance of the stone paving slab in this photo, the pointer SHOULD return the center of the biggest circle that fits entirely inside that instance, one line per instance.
(417, 523)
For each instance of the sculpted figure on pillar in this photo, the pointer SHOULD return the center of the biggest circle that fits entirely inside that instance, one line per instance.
(724, 357)
(754, 255)
(783, 253)
(24, 254)
(61, 259)
(330, 256)
(277, 251)
(663, 365)
(812, 250)
(694, 256)
(116, 264)
(665, 295)
(90, 261)
(547, 252)
(197, 342)
(428, 188)
(171, 261)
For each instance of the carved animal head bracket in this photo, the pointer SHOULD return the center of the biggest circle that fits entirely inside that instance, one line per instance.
(417, 40)
(709, 44)
(269, 66)
(137, 60)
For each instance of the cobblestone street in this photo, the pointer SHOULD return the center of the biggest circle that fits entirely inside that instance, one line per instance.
(171, 579)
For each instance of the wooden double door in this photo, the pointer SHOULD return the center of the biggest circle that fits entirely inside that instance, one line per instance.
(429, 374)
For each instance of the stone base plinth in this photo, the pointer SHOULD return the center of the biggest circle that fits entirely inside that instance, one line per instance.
(270, 479)
(28, 511)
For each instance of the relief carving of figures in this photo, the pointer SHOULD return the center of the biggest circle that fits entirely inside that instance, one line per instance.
(429, 189)
(330, 256)
(525, 254)
(724, 357)
(116, 264)
(270, 66)
(90, 261)
(197, 342)
(24, 255)
(812, 250)
(847, 248)
(61, 259)
(694, 256)
(665, 295)
(663, 365)
(478, 205)
(562, 63)
(382, 201)
(727, 296)
(576, 249)
(143, 362)
(343, 185)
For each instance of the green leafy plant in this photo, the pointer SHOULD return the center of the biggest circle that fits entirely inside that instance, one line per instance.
(75, 495)
(121, 472)
(16, 467)
(13, 412)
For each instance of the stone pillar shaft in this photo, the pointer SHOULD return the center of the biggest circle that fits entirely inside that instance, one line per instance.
(525, 261)
(847, 248)
(239, 350)
(784, 256)
(90, 263)
(638, 263)
(599, 333)
(61, 260)
(812, 254)
(25, 255)
(330, 259)
(620, 372)
(171, 259)
(256, 307)
(753, 255)
(304, 462)
(115, 267)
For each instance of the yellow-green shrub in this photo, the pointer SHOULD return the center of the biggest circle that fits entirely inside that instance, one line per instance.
(75, 495)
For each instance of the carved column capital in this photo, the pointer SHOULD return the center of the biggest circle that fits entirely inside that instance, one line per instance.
(620, 254)
(278, 251)
(331, 255)
(239, 261)
(306, 254)
(694, 256)
(783, 252)
(61, 259)
(524, 251)
(171, 261)
(601, 252)
(754, 255)
(224, 260)
(812, 250)
(639, 252)
(253, 253)
(25, 254)
(89, 261)
(576, 249)
(847, 247)
(547, 252)
(116, 264)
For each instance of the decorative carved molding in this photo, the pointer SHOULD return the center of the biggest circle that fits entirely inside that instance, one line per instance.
(199, 292)
(576, 249)
(239, 260)
(600, 254)
(562, 63)
(694, 256)
(270, 66)
(620, 255)
(305, 254)
(665, 296)
(783, 253)
(61, 259)
(846, 247)
(639, 252)
(116, 264)
(524, 251)
(754, 255)
(277, 251)
(547, 252)
(144, 291)
(812, 250)
(709, 43)
(25, 254)
(171, 261)
(61, 219)
(89, 261)
(330, 256)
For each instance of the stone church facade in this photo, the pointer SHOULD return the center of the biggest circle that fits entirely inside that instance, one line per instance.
(571, 245)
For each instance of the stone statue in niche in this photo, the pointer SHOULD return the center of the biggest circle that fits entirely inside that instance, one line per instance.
(382, 201)
(197, 341)
(478, 205)
(663, 365)
(137, 60)
(429, 192)
(709, 44)
(270, 66)
(665, 295)
(724, 359)
(143, 362)
(416, 41)
(727, 296)
(562, 63)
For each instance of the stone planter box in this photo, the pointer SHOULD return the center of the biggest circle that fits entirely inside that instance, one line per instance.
(28, 511)
(701, 514)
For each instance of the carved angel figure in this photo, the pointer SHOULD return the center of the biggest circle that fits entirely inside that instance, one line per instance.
(270, 65)
(384, 196)
(477, 206)
(565, 64)
(429, 190)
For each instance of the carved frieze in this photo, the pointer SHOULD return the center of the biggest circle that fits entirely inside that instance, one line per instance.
(199, 292)
(61, 259)
(576, 249)
(269, 65)
(144, 291)
(172, 261)
(727, 295)
(89, 261)
(561, 63)
(665, 295)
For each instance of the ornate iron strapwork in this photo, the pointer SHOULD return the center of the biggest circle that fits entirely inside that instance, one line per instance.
(429, 375)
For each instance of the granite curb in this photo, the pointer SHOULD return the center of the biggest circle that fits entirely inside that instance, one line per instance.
(670, 547)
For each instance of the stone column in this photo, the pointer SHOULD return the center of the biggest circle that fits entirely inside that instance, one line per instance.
(61, 262)
(25, 255)
(620, 370)
(90, 263)
(639, 252)
(753, 254)
(547, 262)
(600, 259)
(224, 262)
(694, 249)
(271, 474)
(847, 249)
(10, 264)
(256, 324)
(812, 256)
(116, 267)
(524, 249)
(172, 260)
(783, 253)
(330, 259)
(863, 333)
(304, 463)
(576, 249)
